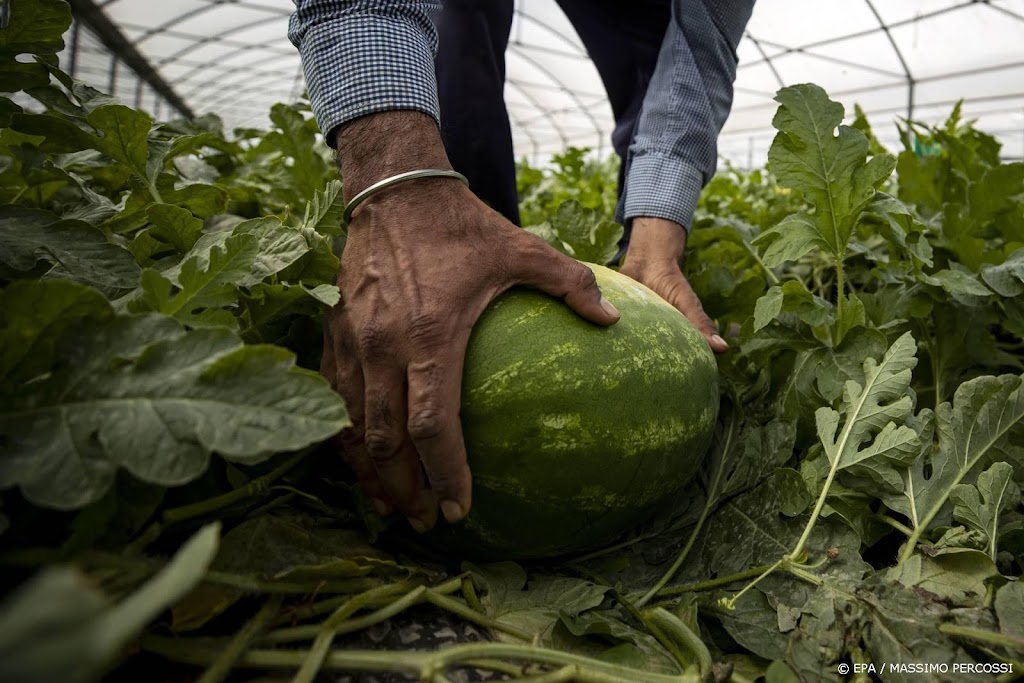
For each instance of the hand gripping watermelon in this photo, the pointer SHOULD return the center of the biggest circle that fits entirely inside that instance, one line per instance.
(576, 433)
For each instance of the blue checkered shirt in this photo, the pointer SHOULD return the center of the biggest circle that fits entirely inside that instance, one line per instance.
(367, 56)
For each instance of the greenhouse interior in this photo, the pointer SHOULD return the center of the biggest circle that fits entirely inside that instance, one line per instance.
(910, 59)
(709, 366)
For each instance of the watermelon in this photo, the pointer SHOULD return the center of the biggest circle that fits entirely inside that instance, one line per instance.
(576, 433)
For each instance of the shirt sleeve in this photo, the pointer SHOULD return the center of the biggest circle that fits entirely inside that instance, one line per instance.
(366, 56)
(674, 151)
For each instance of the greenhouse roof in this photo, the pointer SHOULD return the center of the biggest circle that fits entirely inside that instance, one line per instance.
(894, 58)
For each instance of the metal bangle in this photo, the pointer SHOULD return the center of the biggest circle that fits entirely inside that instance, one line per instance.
(394, 180)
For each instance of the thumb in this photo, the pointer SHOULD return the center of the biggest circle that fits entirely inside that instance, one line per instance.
(689, 304)
(540, 266)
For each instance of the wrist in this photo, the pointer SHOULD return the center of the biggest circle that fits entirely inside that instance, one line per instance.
(378, 146)
(655, 240)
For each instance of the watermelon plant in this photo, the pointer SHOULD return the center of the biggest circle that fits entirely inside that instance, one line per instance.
(168, 511)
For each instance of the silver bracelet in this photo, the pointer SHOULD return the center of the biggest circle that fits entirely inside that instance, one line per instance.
(394, 180)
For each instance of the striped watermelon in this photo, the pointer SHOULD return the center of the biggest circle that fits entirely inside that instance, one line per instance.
(576, 433)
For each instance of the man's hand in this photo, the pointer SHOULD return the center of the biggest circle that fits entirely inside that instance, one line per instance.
(656, 247)
(422, 261)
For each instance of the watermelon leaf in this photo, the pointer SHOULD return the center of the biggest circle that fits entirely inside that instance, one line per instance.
(80, 251)
(140, 392)
(977, 428)
(828, 167)
(59, 617)
(584, 234)
(979, 505)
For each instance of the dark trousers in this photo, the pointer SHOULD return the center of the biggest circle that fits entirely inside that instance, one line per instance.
(622, 38)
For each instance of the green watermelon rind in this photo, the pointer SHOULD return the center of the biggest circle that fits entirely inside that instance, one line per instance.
(576, 433)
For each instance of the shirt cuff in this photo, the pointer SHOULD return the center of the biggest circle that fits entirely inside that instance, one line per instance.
(356, 66)
(661, 186)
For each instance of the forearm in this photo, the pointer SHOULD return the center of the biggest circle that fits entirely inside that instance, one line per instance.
(381, 145)
(674, 153)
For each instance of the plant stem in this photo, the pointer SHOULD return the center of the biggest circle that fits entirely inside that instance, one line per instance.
(801, 573)
(222, 665)
(681, 635)
(840, 287)
(255, 487)
(417, 663)
(298, 633)
(709, 503)
(564, 675)
(331, 604)
(469, 593)
(669, 644)
(667, 576)
(322, 645)
(151, 186)
(771, 568)
(983, 636)
(469, 614)
(805, 536)
(899, 526)
(254, 584)
(772, 277)
(713, 583)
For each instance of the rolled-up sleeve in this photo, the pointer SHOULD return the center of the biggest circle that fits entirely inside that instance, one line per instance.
(674, 151)
(366, 56)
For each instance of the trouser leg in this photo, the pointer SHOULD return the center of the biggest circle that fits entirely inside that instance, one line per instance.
(471, 81)
(623, 40)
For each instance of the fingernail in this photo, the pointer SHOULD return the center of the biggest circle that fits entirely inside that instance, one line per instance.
(609, 308)
(718, 340)
(451, 510)
(382, 508)
(418, 525)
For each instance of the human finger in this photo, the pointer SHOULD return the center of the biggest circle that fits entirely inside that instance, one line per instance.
(435, 385)
(540, 266)
(390, 450)
(688, 303)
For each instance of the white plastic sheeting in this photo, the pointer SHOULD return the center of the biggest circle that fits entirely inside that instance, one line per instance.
(893, 57)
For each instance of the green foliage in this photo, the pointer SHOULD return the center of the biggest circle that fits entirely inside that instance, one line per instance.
(126, 284)
(571, 176)
(58, 618)
(584, 234)
(141, 392)
(161, 280)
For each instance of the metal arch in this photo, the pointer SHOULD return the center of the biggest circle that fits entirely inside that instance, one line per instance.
(899, 55)
(225, 71)
(212, 39)
(111, 37)
(211, 5)
(257, 8)
(297, 83)
(578, 50)
(767, 59)
(185, 35)
(867, 32)
(572, 95)
(149, 33)
(73, 67)
(827, 58)
(562, 110)
(1008, 12)
(216, 81)
(262, 86)
(557, 88)
(514, 120)
(554, 122)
